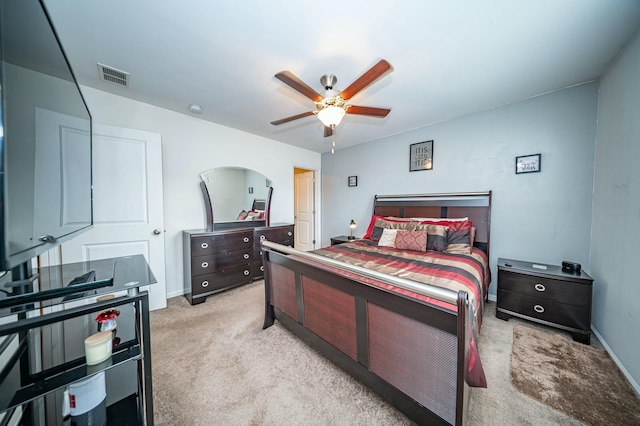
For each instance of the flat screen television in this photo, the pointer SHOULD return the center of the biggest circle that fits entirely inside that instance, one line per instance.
(45, 138)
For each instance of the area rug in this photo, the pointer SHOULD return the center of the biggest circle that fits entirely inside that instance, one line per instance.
(577, 379)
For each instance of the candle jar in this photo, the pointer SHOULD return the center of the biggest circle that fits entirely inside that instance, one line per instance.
(97, 347)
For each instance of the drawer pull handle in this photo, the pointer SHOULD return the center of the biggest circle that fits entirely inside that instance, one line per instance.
(289, 233)
(262, 268)
(246, 272)
(262, 238)
(540, 287)
(204, 245)
(245, 239)
(205, 264)
(246, 256)
(204, 283)
(539, 309)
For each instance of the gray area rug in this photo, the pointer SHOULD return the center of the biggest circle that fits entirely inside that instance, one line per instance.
(574, 378)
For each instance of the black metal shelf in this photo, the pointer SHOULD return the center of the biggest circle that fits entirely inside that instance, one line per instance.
(25, 383)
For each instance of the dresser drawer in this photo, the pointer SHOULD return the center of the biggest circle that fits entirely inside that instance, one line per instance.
(276, 235)
(545, 289)
(220, 280)
(216, 262)
(568, 315)
(258, 269)
(221, 243)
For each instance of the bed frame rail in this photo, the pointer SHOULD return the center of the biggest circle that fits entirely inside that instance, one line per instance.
(383, 339)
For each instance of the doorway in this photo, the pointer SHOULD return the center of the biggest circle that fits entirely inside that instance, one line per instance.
(304, 201)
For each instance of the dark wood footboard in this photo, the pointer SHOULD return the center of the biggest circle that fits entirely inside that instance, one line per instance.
(410, 352)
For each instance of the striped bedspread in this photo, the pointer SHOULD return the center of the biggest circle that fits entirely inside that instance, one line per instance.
(451, 271)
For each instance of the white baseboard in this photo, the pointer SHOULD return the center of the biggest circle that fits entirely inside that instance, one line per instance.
(634, 384)
(492, 298)
(175, 293)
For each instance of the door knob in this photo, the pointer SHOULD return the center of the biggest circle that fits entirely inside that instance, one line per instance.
(157, 232)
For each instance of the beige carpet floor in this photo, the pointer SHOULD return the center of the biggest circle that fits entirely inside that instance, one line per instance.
(214, 365)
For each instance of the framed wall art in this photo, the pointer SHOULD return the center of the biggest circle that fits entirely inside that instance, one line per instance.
(352, 181)
(421, 156)
(528, 163)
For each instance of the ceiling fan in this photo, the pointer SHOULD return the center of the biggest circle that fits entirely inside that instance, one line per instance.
(331, 105)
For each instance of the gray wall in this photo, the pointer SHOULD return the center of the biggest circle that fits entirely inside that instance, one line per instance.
(616, 211)
(542, 217)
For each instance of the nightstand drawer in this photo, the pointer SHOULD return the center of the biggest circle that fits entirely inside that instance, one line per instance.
(545, 289)
(550, 311)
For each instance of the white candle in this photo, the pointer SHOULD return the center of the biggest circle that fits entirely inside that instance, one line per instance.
(97, 347)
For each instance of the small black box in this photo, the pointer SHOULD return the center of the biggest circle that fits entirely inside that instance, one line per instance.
(571, 267)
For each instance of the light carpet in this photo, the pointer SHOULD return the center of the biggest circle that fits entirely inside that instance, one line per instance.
(214, 365)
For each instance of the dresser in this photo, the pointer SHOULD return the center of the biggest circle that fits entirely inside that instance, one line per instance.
(215, 261)
(547, 295)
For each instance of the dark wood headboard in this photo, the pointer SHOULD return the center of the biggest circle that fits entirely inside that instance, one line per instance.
(474, 205)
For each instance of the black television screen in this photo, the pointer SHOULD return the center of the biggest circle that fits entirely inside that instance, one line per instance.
(45, 138)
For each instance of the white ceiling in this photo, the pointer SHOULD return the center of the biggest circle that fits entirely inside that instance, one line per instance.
(450, 57)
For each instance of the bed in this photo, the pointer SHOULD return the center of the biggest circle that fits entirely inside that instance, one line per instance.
(402, 321)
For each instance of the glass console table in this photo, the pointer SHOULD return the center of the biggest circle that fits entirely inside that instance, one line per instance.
(43, 323)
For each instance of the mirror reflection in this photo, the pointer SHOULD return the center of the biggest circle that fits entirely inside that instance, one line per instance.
(236, 194)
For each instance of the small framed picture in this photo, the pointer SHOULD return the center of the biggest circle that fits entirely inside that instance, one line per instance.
(528, 163)
(352, 181)
(421, 156)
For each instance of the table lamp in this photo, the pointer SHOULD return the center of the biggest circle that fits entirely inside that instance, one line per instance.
(352, 226)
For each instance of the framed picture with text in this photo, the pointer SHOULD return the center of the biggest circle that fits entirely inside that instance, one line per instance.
(528, 163)
(421, 156)
(352, 181)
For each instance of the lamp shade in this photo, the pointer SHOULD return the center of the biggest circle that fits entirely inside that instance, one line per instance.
(331, 115)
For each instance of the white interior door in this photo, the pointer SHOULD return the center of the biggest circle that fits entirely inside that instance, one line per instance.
(304, 200)
(127, 203)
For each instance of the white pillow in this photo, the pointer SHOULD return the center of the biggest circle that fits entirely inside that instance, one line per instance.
(388, 238)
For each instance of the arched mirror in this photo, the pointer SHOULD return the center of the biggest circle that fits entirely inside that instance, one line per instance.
(235, 197)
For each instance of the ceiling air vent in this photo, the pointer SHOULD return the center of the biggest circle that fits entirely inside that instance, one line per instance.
(113, 75)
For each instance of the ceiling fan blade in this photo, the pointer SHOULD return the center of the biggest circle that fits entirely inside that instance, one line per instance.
(363, 110)
(294, 82)
(293, 117)
(328, 131)
(366, 79)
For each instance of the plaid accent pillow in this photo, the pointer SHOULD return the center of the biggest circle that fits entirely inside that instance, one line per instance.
(411, 240)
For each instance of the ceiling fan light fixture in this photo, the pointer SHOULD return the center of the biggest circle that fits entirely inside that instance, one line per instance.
(331, 115)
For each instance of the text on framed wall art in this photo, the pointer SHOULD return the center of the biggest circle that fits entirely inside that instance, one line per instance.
(421, 156)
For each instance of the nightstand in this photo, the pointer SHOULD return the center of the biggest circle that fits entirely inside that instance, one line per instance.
(340, 239)
(547, 295)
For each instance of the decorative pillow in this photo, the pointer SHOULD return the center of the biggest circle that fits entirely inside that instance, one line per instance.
(411, 240)
(436, 235)
(243, 214)
(381, 225)
(254, 215)
(388, 238)
(459, 238)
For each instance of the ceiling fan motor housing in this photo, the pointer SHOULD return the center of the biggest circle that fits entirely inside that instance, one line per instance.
(328, 80)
